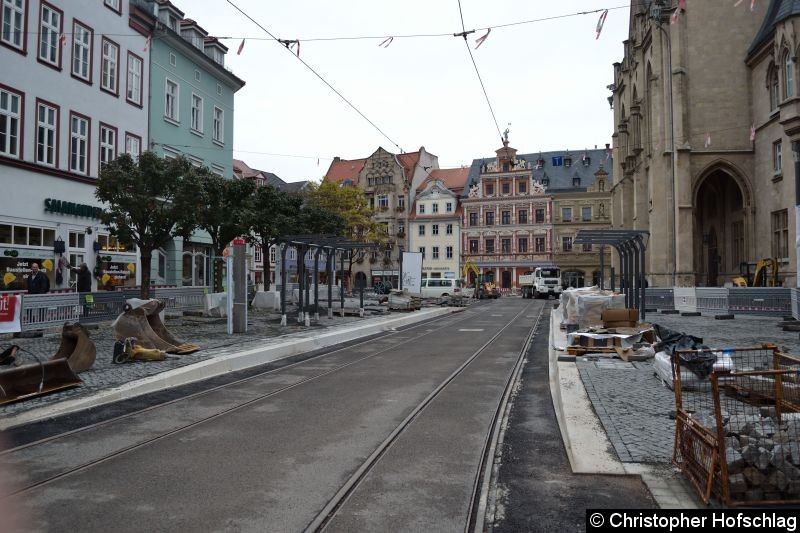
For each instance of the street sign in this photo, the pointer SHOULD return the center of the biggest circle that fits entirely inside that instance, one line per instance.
(238, 241)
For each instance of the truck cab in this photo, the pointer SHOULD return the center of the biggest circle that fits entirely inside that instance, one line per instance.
(542, 282)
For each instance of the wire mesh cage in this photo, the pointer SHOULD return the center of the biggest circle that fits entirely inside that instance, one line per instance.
(737, 437)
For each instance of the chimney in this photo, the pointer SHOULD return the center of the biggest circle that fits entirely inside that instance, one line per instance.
(337, 159)
(608, 146)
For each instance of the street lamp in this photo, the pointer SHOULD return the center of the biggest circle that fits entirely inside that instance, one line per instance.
(655, 15)
(796, 156)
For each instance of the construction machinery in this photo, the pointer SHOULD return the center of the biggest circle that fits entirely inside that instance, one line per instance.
(140, 320)
(766, 274)
(484, 283)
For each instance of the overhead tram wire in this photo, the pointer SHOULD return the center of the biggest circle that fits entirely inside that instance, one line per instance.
(309, 67)
(464, 34)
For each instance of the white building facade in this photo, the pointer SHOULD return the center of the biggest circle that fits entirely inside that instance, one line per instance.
(73, 95)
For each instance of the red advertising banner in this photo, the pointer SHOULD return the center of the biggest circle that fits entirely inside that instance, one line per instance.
(10, 306)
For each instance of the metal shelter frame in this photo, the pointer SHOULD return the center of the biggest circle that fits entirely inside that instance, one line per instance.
(631, 247)
(319, 243)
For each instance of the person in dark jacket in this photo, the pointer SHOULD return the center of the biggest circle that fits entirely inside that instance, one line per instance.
(37, 281)
(84, 278)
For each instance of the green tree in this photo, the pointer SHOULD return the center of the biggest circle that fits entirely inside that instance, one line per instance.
(142, 203)
(222, 209)
(273, 213)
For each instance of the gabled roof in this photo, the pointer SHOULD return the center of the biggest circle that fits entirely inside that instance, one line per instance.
(213, 41)
(171, 6)
(243, 171)
(343, 169)
(189, 23)
(453, 178)
(560, 178)
(777, 11)
(408, 162)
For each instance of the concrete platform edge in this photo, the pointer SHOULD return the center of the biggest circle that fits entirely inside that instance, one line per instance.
(222, 365)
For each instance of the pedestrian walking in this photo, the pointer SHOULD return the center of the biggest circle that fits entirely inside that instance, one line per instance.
(37, 281)
(84, 277)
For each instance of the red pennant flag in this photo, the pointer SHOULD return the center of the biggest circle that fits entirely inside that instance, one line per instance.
(752, 5)
(600, 23)
(63, 39)
(147, 42)
(386, 42)
(241, 47)
(480, 40)
(293, 44)
(708, 140)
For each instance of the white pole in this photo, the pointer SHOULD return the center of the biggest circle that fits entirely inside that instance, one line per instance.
(229, 292)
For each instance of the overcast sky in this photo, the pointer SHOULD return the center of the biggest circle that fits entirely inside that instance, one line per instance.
(548, 79)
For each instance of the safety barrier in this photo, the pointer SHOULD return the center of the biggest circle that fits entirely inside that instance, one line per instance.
(685, 299)
(659, 298)
(712, 299)
(184, 298)
(760, 300)
(796, 304)
(41, 311)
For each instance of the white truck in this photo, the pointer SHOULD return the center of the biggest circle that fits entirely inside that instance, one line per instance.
(542, 282)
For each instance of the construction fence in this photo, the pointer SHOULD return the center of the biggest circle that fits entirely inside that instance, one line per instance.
(765, 301)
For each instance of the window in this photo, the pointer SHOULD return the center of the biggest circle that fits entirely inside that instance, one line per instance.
(587, 247)
(109, 80)
(108, 143)
(372, 202)
(401, 228)
(522, 245)
(774, 92)
(506, 188)
(133, 145)
(505, 246)
(114, 4)
(79, 129)
(788, 73)
(489, 246)
(219, 90)
(197, 114)
(523, 187)
(473, 246)
(576, 182)
(272, 254)
(26, 236)
(170, 153)
(219, 125)
(401, 202)
(12, 32)
(435, 229)
(134, 82)
(173, 60)
(257, 254)
(218, 170)
(540, 216)
(383, 201)
(11, 109)
(77, 240)
(47, 134)
(435, 252)
(82, 39)
(196, 75)
(587, 160)
(50, 27)
(196, 162)
(566, 244)
(448, 207)
(449, 229)
(421, 209)
(435, 208)
(489, 189)
(545, 182)
(109, 243)
(777, 157)
(522, 216)
(292, 254)
(586, 214)
(566, 214)
(473, 219)
(539, 243)
(421, 230)
(506, 217)
(490, 218)
(171, 101)
(422, 251)
(780, 234)
(449, 252)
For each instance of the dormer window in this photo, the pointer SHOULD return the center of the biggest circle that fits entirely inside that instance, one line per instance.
(540, 163)
(576, 182)
(587, 161)
(545, 181)
(172, 22)
(568, 161)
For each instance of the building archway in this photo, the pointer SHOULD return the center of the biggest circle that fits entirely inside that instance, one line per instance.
(506, 277)
(721, 227)
(573, 278)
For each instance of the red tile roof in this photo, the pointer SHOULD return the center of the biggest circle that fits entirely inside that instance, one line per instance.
(241, 169)
(409, 163)
(343, 170)
(453, 178)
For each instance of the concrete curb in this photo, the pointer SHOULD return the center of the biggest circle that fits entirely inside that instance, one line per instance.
(227, 363)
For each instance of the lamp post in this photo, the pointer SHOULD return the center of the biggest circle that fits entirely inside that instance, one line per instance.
(655, 14)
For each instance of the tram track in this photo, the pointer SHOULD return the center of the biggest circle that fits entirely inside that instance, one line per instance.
(483, 475)
(273, 371)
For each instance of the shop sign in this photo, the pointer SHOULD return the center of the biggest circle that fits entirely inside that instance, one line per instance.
(14, 270)
(117, 274)
(51, 205)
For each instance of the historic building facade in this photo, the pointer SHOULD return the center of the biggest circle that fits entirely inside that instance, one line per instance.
(73, 96)
(507, 218)
(704, 166)
(435, 223)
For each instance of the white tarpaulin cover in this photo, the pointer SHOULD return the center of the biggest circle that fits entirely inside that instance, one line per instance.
(585, 306)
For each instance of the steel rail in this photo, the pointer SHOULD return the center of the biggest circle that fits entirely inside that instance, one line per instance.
(195, 423)
(324, 517)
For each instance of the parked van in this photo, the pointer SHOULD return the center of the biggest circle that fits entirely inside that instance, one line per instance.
(436, 287)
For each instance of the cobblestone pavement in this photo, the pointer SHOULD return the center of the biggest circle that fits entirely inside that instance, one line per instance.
(209, 333)
(632, 403)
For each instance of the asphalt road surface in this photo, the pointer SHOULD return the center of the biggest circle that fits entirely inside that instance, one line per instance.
(385, 435)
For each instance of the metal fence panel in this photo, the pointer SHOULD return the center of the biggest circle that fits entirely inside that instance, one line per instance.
(685, 299)
(760, 300)
(712, 299)
(101, 306)
(183, 298)
(659, 298)
(42, 311)
(796, 304)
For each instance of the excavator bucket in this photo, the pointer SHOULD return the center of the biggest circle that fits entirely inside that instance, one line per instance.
(136, 323)
(36, 379)
(76, 347)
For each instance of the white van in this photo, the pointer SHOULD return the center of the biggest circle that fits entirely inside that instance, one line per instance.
(436, 287)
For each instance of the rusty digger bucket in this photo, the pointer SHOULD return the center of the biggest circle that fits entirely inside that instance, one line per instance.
(76, 347)
(144, 324)
(36, 379)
